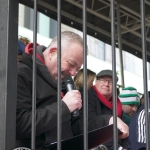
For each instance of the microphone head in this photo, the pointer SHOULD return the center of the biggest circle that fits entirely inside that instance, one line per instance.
(68, 79)
(69, 84)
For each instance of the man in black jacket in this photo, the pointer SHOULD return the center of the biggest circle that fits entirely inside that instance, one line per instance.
(46, 90)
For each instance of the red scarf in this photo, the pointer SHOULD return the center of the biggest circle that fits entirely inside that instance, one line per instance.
(29, 50)
(107, 103)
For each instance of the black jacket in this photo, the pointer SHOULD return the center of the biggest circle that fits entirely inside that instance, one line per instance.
(46, 105)
(137, 132)
(98, 116)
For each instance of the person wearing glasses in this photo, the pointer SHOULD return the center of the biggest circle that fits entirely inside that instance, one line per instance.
(46, 90)
(100, 109)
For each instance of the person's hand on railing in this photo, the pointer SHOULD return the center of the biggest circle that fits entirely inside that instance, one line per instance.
(122, 127)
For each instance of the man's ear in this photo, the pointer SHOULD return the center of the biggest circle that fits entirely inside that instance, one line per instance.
(52, 52)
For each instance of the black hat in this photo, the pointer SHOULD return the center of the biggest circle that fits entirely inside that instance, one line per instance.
(105, 73)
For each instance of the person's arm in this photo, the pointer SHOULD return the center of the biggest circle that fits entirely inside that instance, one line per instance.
(141, 132)
(122, 127)
(46, 116)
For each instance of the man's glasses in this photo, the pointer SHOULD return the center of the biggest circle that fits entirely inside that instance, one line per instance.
(104, 81)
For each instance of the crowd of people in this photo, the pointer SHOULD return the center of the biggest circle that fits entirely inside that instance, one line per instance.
(99, 89)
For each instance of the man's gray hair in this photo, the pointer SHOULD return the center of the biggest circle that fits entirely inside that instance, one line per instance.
(67, 36)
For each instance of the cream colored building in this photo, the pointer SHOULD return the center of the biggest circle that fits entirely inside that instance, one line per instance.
(99, 55)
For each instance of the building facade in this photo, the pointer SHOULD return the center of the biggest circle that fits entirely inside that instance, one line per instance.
(99, 53)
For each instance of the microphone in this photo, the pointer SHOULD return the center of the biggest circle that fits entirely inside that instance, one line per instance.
(70, 86)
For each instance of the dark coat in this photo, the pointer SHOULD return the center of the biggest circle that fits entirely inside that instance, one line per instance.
(135, 130)
(98, 116)
(126, 118)
(46, 105)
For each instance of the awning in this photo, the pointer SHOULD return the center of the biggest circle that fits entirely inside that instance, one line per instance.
(99, 21)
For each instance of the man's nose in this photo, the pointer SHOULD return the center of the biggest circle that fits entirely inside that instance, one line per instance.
(134, 108)
(72, 71)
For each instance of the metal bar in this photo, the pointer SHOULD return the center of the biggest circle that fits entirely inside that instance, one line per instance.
(144, 47)
(113, 43)
(85, 98)
(122, 11)
(147, 31)
(123, 15)
(33, 133)
(120, 44)
(92, 4)
(107, 19)
(131, 11)
(134, 27)
(132, 22)
(59, 102)
(146, 2)
(98, 29)
(101, 8)
(126, 21)
(8, 72)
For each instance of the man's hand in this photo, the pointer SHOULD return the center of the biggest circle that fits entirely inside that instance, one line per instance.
(122, 127)
(73, 100)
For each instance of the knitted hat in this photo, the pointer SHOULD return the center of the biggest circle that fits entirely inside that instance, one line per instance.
(129, 96)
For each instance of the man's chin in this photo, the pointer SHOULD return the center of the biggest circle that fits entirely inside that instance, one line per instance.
(105, 93)
(131, 114)
(56, 78)
(62, 77)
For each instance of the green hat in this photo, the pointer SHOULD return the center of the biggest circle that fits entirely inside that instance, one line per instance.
(129, 96)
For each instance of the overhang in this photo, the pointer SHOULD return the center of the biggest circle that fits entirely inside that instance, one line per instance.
(99, 20)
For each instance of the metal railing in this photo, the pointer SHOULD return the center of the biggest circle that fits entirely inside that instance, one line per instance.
(8, 73)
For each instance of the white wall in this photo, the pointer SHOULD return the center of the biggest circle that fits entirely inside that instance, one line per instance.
(130, 79)
(29, 34)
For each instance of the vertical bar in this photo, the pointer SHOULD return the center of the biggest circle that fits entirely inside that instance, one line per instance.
(113, 43)
(33, 133)
(59, 102)
(144, 47)
(85, 97)
(8, 72)
(120, 44)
